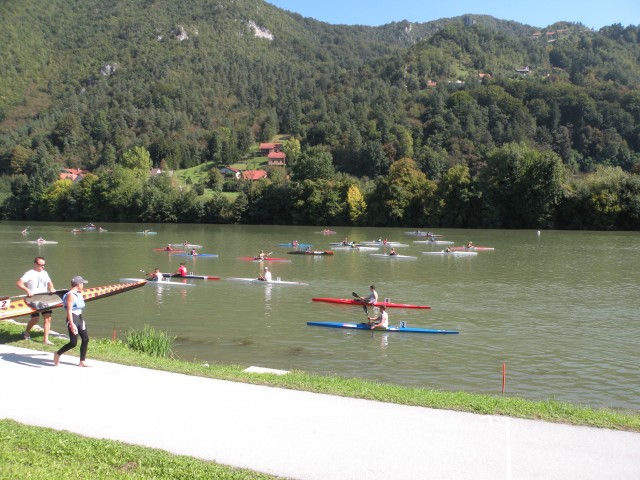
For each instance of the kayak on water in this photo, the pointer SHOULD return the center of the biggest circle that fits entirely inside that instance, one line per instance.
(42, 242)
(276, 281)
(327, 232)
(396, 256)
(302, 245)
(473, 248)
(385, 244)
(266, 259)
(185, 245)
(144, 232)
(359, 303)
(19, 305)
(164, 283)
(311, 252)
(418, 233)
(210, 255)
(367, 327)
(434, 242)
(191, 275)
(453, 253)
(168, 251)
(362, 248)
(348, 244)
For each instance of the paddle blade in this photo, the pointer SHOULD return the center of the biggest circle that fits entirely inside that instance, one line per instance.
(364, 307)
(355, 294)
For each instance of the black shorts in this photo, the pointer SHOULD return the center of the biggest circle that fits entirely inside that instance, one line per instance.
(44, 313)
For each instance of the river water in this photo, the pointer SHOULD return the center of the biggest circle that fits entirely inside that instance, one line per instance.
(559, 309)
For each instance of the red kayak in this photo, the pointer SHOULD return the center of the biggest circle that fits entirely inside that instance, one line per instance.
(353, 301)
(168, 251)
(267, 259)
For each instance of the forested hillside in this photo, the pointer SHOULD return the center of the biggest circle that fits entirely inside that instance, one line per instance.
(464, 122)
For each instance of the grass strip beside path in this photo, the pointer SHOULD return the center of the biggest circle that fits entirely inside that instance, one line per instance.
(549, 410)
(43, 453)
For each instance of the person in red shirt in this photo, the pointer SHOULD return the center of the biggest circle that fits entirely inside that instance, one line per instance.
(182, 270)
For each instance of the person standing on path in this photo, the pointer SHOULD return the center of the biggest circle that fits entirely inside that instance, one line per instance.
(73, 302)
(35, 281)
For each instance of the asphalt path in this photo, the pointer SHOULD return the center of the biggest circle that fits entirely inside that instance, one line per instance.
(297, 434)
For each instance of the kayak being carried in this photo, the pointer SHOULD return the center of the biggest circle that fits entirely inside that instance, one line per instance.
(367, 327)
(359, 303)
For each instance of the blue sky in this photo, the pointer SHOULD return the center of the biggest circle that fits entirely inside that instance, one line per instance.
(538, 13)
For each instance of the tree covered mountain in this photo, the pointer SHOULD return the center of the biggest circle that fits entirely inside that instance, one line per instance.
(198, 82)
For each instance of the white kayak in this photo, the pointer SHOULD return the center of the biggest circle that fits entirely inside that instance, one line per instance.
(396, 256)
(361, 248)
(385, 244)
(277, 281)
(434, 242)
(453, 253)
(164, 283)
(43, 242)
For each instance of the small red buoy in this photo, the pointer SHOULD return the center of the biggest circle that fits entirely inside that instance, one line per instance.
(504, 377)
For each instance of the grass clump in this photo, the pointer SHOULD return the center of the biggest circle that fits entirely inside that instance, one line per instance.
(155, 343)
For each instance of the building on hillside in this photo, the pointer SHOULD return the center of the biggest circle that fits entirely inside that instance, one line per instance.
(253, 175)
(230, 172)
(524, 70)
(267, 148)
(277, 159)
(74, 174)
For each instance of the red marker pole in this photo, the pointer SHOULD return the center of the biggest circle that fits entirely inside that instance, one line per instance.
(113, 339)
(504, 377)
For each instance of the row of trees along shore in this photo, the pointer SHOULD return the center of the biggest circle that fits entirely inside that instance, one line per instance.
(517, 187)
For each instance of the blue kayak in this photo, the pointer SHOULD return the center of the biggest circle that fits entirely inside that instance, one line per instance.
(365, 326)
(196, 255)
(304, 245)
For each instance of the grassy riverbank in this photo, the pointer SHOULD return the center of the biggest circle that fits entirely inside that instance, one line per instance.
(551, 411)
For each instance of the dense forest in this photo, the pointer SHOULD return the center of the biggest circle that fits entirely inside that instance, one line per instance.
(463, 122)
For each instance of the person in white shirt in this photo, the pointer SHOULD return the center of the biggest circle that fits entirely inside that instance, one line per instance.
(381, 320)
(267, 275)
(35, 281)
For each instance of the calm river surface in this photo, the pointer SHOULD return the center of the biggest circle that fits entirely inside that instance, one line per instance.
(560, 309)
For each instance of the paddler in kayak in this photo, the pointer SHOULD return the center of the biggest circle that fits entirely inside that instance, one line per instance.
(193, 252)
(261, 255)
(182, 270)
(392, 252)
(266, 277)
(168, 248)
(381, 320)
(372, 298)
(156, 275)
(469, 246)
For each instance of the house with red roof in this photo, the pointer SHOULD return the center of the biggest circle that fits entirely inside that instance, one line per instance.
(74, 174)
(277, 158)
(253, 175)
(267, 148)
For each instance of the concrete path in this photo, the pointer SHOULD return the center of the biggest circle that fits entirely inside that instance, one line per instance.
(298, 434)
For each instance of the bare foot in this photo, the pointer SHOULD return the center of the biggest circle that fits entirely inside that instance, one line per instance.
(56, 359)
(82, 364)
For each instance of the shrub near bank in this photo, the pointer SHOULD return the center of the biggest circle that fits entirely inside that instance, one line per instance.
(550, 410)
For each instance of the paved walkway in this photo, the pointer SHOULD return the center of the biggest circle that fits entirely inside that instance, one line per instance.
(298, 434)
